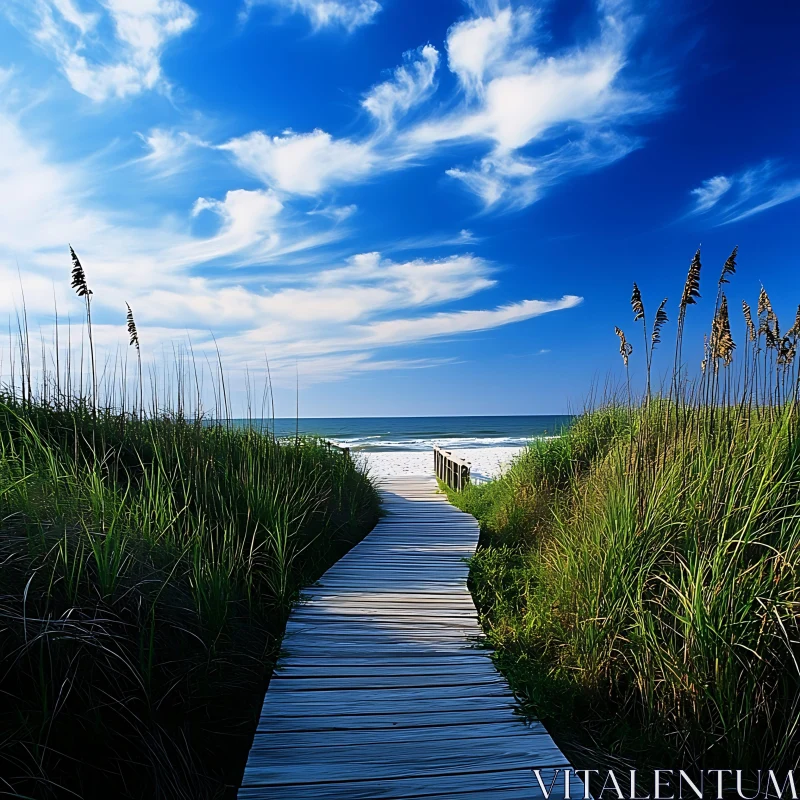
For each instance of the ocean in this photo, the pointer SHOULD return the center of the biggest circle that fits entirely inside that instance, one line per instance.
(404, 434)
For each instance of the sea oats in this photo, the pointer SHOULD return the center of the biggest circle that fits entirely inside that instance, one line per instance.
(636, 304)
(659, 322)
(625, 347)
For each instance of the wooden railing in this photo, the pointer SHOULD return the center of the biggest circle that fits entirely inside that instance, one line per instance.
(334, 446)
(450, 470)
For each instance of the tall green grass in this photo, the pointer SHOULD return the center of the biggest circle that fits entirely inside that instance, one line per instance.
(638, 576)
(148, 560)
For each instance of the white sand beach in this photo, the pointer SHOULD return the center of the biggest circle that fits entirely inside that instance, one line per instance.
(486, 462)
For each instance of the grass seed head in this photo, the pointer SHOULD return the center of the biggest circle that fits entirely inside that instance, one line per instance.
(78, 276)
(636, 304)
(132, 331)
(691, 289)
(764, 304)
(722, 344)
(625, 347)
(748, 318)
(729, 267)
(659, 322)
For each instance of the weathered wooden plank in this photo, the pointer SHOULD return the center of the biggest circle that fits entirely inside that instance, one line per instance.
(480, 659)
(369, 676)
(315, 591)
(488, 784)
(421, 719)
(399, 759)
(387, 713)
(373, 633)
(381, 616)
(374, 645)
(431, 734)
(386, 700)
(419, 588)
(430, 620)
(428, 661)
(386, 790)
(381, 600)
(456, 558)
(408, 680)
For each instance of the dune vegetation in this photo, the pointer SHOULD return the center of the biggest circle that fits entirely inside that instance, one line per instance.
(149, 554)
(638, 575)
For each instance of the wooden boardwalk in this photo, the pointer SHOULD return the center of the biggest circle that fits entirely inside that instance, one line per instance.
(382, 690)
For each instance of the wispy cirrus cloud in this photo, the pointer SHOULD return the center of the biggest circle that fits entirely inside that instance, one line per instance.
(709, 192)
(730, 198)
(450, 323)
(347, 14)
(168, 151)
(411, 83)
(98, 66)
(463, 238)
(539, 116)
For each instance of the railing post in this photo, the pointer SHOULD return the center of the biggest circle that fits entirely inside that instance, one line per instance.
(345, 451)
(455, 472)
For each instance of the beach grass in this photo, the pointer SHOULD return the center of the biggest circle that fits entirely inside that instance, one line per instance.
(148, 561)
(638, 575)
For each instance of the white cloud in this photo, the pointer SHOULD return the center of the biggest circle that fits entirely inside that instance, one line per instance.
(478, 45)
(302, 163)
(776, 195)
(515, 182)
(411, 84)
(443, 324)
(125, 65)
(248, 218)
(436, 240)
(168, 150)
(84, 22)
(743, 194)
(500, 176)
(37, 189)
(521, 107)
(337, 213)
(348, 14)
(357, 333)
(708, 194)
(414, 283)
(365, 287)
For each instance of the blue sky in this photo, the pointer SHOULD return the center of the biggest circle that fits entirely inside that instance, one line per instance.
(420, 207)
